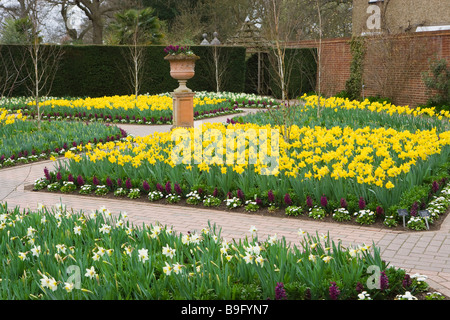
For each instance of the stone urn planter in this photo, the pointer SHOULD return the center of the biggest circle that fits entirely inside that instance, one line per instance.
(182, 68)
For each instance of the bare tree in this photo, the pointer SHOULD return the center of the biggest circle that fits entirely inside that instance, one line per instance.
(11, 64)
(44, 60)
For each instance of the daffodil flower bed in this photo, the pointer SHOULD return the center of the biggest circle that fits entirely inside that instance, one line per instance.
(369, 167)
(55, 253)
(22, 142)
(146, 109)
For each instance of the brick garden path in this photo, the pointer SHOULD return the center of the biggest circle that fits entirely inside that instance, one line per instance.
(425, 252)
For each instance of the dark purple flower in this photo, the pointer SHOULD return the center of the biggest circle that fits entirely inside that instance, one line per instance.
(229, 195)
(128, 184)
(95, 181)
(384, 281)
(80, 180)
(119, 182)
(70, 177)
(240, 194)
(287, 199)
(159, 187)
(343, 203)
(280, 292)
(359, 287)
(178, 189)
(435, 186)
(145, 186)
(58, 176)
(168, 187)
(334, 291)
(308, 294)
(407, 282)
(379, 211)
(309, 201)
(362, 203)
(200, 191)
(215, 192)
(414, 209)
(323, 201)
(47, 174)
(109, 182)
(270, 196)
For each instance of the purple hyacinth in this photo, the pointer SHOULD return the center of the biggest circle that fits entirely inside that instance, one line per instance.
(47, 174)
(145, 186)
(309, 202)
(58, 176)
(414, 209)
(70, 177)
(168, 187)
(95, 181)
(334, 291)
(384, 281)
(280, 292)
(343, 203)
(128, 184)
(379, 211)
(270, 196)
(240, 194)
(362, 203)
(159, 187)
(215, 193)
(80, 180)
(287, 199)
(359, 287)
(109, 182)
(435, 186)
(178, 189)
(119, 182)
(323, 201)
(308, 294)
(407, 282)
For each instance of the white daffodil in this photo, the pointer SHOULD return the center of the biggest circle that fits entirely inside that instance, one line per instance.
(68, 286)
(168, 252)
(105, 229)
(167, 269)
(259, 260)
(95, 257)
(91, 273)
(61, 248)
(77, 230)
(248, 258)
(22, 256)
(177, 268)
(36, 251)
(45, 281)
(143, 255)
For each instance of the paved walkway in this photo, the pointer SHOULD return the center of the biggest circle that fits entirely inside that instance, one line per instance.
(425, 252)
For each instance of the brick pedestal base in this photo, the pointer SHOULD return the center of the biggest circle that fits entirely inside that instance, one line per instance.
(183, 109)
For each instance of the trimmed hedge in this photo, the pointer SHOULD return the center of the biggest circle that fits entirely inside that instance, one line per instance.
(96, 71)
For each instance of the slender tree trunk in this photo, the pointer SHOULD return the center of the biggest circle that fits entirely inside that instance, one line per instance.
(97, 31)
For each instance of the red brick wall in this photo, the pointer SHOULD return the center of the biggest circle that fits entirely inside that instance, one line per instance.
(397, 75)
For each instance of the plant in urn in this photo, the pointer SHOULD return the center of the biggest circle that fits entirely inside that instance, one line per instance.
(182, 64)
